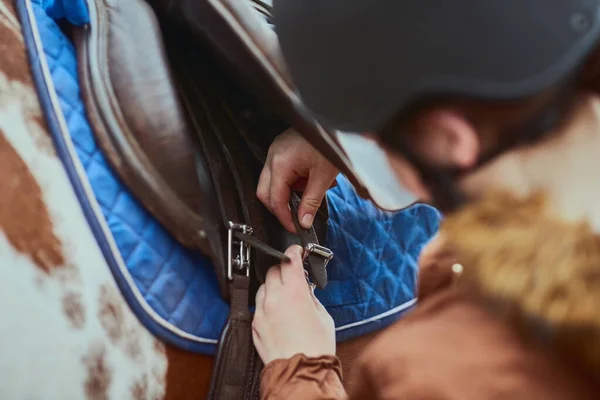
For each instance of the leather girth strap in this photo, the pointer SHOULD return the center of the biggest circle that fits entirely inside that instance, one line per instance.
(237, 367)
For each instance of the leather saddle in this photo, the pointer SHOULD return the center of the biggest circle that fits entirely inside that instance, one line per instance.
(188, 134)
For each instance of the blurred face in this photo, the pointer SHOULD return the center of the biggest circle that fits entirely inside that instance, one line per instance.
(523, 253)
(565, 165)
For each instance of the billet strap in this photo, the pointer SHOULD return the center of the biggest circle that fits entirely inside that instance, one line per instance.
(316, 257)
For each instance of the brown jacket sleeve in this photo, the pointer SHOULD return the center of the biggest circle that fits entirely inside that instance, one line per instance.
(450, 348)
(301, 377)
(447, 349)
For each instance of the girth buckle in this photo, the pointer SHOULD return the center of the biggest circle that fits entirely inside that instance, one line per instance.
(241, 260)
(313, 248)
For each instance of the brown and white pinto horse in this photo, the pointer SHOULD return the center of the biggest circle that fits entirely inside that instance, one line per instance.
(67, 332)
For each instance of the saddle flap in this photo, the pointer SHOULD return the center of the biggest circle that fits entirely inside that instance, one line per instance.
(133, 106)
(241, 35)
(177, 130)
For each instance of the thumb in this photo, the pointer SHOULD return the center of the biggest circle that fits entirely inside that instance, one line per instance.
(313, 195)
(293, 272)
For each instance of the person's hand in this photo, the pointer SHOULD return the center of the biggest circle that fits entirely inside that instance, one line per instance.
(289, 319)
(293, 164)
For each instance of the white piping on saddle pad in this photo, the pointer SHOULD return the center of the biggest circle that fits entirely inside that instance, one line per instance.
(402, 307)
(57, 340)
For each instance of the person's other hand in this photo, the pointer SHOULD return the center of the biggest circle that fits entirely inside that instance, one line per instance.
(289, 319)
(293, 164)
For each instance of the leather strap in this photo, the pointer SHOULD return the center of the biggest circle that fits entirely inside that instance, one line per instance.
(237, 367)
(314, 263)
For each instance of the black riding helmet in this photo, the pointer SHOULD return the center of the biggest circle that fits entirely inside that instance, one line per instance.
(359, 63)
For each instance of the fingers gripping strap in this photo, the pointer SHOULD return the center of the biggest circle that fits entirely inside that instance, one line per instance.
(315, 263)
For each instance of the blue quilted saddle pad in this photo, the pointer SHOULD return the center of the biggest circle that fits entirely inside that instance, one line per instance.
(173, 290)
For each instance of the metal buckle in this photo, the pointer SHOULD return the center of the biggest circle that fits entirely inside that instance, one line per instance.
(313, 248)
(311, 285)
(241, 261)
